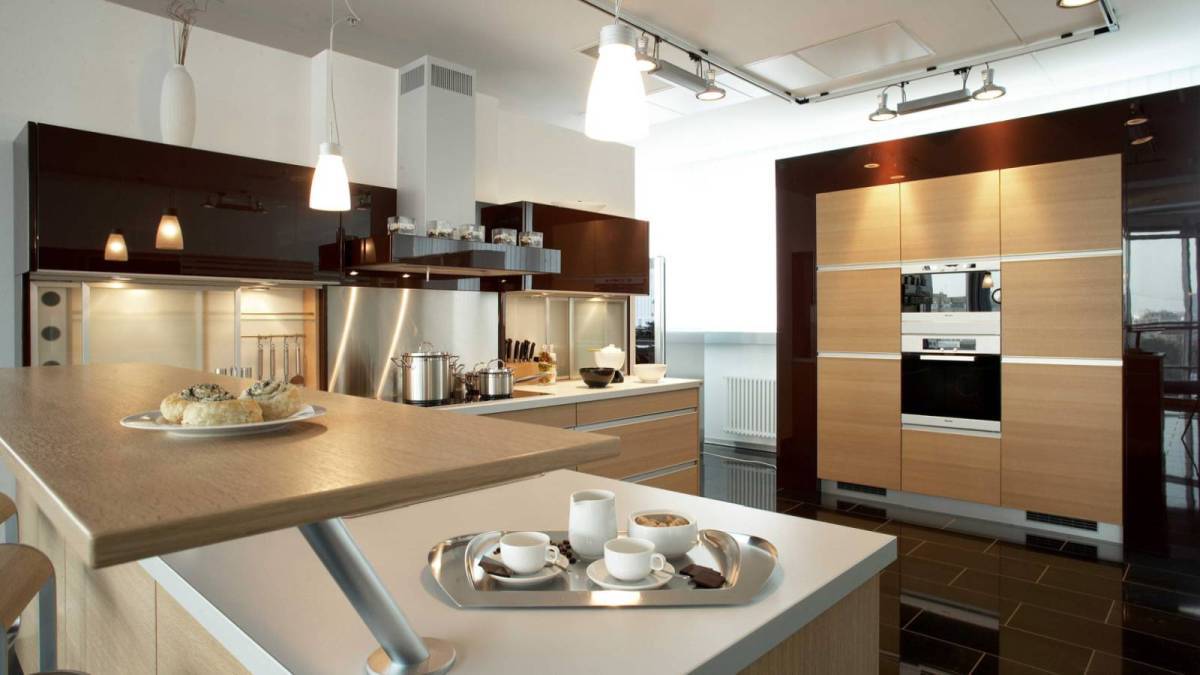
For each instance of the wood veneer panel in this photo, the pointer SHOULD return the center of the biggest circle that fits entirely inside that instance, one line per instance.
(1061, 206)
(120, 621)
(649, 446)
(1067, 308)
(561, 416)
(686, 481)
(858, 311)
(844, 639)
(858, 421)
(118, 494)
(611, 409)
(951, 217)
(951, 465)
(858, 226)
(1061, 442)
(184, 647)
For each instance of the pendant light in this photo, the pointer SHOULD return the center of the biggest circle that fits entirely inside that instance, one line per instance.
(616, 103)
(170, 234)
(115, 249)
(710, 92)
(990, 90)
(330, 189)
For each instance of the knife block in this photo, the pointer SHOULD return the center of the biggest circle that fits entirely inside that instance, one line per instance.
(523, 369)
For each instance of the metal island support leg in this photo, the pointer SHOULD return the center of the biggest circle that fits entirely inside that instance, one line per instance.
(402, 652)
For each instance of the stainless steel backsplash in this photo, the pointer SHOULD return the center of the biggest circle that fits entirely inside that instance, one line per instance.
(368, 326)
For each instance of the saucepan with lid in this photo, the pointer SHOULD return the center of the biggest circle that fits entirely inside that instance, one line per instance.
(495, 380)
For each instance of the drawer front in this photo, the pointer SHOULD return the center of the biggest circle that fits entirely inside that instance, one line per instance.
(561, 416)
(1061, 444)
(951, 465)
(858, 311)
(649, 446)
(859, 226)
(858, 421)
(1068, 308)
(1063, 206)
(951, 217)
(635, 406)
(685, 480)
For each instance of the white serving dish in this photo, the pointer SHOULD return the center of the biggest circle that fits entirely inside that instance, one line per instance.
(650, 372)
(610, 357)
(152, 420)
(672, 542)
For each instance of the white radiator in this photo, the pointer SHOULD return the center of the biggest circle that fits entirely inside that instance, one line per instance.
(750, 407)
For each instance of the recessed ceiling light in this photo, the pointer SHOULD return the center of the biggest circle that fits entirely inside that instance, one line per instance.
(353, 273)
(898, 176)
(405, 275)
(871, 165)
(1140, 140)
(1072, 4)
(882, 113)
(1136, 116)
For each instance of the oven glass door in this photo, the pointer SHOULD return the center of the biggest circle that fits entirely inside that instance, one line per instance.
(974, 291)
(951, 388)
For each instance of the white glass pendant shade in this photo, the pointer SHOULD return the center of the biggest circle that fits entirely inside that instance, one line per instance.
(616, 106)
(170, 233)
(330, 186)
(115, 249)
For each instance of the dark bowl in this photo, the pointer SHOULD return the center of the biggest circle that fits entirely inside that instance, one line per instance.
(597, 378)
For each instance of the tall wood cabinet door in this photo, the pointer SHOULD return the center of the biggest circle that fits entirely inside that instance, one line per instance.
(858, 421)
(859, 226)
(858, 311)
(1062, 206)
(1069, 307)
(951, 217)
(1061, 440)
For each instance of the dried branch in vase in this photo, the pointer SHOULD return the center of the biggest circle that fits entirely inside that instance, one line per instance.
(184, 13)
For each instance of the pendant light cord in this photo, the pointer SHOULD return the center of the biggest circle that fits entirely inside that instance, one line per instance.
(334, 133)
(617, 12)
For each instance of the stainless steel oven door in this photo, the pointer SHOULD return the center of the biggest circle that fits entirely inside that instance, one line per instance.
(959, 297)
(950, 391)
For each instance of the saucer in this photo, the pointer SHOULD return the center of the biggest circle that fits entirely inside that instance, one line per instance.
(541, 576)
(599, 575)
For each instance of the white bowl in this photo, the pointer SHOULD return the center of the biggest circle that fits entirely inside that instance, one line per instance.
(611, 359)
(672, 542)
(650, 372)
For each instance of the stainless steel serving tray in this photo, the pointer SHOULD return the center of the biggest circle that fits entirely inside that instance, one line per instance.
(746, 561)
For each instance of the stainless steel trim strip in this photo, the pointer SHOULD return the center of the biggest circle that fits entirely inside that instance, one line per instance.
(658, 473)
(952, 432)
(1061, 361)
(949, 422)
(956, 265)
(881, 356)
(1060, 255)
(862, 266)
(945, 357)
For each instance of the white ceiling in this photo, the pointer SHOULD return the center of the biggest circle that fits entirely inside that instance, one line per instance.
(527, 52)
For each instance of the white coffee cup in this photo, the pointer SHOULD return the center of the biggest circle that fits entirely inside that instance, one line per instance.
(631, 559)
(527, 552)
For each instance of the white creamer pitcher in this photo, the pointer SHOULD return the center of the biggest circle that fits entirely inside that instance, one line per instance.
(593, 521)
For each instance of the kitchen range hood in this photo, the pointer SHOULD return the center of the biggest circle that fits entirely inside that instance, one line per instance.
(435, 175)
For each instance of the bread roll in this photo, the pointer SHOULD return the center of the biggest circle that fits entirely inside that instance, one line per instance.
(174, 405)
(218, 413)
(277, 398)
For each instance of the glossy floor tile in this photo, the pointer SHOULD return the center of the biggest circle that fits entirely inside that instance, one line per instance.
(999, 599)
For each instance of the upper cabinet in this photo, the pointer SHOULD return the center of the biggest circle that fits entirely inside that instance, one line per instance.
(859, 226)
(951, 217)
(1063, 206)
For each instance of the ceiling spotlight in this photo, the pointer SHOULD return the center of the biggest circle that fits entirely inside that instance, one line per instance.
(883, 112)
(647, 59)
(1072, 4)
(990, 90)
(1136, 116)
(871, 165)
(710, 92)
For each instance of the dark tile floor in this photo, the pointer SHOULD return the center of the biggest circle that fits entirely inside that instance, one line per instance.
(1012, 601)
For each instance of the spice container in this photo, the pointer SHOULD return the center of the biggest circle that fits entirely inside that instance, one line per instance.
(547, 365)
(531, 239)
(504, 235)
(401, 225)
(440, 229)
(470, 232)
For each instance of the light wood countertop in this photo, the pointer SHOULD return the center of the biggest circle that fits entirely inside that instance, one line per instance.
(121, 494)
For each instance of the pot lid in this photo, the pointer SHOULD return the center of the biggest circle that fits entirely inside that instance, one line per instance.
(489, 369)
(425, 351)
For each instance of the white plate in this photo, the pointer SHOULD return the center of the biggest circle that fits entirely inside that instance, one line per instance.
(151, 420)
(599, 575)
(541, 576)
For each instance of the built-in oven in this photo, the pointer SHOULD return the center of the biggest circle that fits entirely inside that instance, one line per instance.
(950, 298)
(951, 382)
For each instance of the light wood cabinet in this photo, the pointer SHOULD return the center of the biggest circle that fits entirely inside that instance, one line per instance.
(957, 466)
(185, 647)
(1069, 307)
(951, 217)
(647, 446)
(609, 409)
(858, 311)
(858, 421)
(859, 226)
(561, 416)
(1061, 441)
(685, 480)
(1063, 206)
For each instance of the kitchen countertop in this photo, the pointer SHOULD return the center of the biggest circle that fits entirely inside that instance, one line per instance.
(119, 494)
(566, 392)
(271, 605)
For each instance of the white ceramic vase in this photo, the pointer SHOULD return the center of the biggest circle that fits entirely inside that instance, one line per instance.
(177, 107)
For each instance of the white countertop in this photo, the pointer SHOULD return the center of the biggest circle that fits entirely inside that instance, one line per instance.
(273, 605)
(571, 391)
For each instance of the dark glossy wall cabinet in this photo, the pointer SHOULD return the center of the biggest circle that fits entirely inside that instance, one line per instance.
(601, 253)
(241, 217)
